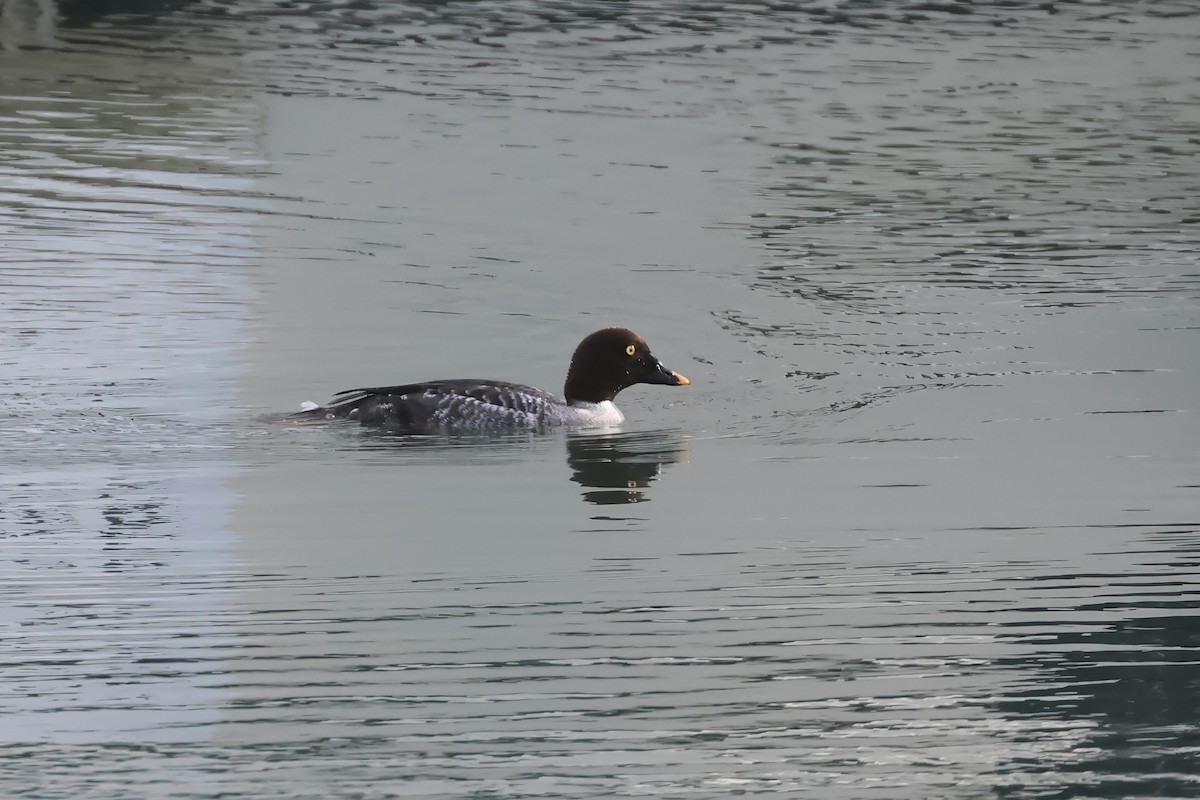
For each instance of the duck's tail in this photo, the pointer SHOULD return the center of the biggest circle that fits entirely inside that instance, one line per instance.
(309, 412)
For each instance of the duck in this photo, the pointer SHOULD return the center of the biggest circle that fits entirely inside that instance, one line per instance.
(605, 362)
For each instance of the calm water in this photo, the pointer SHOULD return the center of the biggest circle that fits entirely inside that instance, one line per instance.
(926, 524)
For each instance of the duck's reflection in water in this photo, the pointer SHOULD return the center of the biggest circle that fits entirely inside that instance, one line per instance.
(617, 468)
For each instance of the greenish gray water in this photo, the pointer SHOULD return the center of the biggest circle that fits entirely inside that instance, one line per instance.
(925, 524)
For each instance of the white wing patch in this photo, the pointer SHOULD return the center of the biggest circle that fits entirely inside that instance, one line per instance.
(472, 413)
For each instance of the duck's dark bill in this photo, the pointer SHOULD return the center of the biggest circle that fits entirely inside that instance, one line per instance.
(665, 376)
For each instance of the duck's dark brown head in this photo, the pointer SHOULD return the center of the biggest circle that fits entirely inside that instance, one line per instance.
(610, 360)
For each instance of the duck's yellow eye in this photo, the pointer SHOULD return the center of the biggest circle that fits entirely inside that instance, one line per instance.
(630, 350)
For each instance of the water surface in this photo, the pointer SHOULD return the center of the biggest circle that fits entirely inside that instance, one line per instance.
(925, 524)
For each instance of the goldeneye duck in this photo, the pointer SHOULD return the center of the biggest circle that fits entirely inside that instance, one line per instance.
(604, 363)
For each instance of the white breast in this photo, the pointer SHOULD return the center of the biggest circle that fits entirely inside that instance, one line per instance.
(599, 415)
